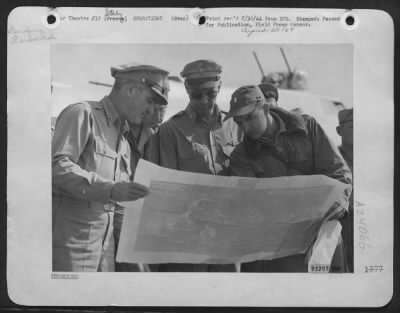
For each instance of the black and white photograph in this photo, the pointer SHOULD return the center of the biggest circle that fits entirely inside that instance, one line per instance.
(224, 110)
(226, 158)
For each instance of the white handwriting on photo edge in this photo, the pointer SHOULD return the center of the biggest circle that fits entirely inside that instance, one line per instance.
(361, 224)
(29, 35)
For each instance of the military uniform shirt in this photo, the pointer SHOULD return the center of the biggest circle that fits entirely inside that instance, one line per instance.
(90, 152)
(187, 143)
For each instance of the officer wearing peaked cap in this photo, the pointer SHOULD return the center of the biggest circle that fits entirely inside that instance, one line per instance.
(156, 79)
(280, 143)
(91, 167)
(153, 77)
(197, 139)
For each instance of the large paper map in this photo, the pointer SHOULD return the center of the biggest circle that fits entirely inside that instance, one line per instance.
(197, 218)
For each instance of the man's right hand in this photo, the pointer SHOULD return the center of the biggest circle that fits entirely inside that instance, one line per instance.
(128, 191)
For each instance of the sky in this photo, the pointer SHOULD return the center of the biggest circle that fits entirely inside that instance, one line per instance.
(329, 68)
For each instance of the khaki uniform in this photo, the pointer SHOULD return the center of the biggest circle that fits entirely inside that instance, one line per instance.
(187, 143)
(300, 147)
(89, 154)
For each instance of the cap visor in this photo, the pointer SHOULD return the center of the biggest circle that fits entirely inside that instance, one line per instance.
(160, 97)
(241, 111)
(203, 85)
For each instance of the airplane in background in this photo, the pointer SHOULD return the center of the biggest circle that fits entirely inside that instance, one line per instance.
(293, 95)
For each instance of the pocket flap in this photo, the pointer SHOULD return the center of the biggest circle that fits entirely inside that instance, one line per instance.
(102, 148)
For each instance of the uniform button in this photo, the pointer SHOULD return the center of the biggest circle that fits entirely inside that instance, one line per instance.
(84, 191)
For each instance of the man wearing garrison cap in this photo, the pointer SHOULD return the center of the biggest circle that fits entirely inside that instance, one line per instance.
(345, 131)
(92, 170)
(197, 139)
(281, 143)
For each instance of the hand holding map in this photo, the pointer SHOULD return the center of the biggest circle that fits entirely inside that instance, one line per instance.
(198, 218)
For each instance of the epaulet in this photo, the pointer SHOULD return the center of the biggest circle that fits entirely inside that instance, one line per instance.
(308, 118)
(89, 105)
(94, 104)
(78, 107)
(176, 115)
(82, 105)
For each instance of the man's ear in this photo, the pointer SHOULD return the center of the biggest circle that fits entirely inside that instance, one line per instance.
(131, 89)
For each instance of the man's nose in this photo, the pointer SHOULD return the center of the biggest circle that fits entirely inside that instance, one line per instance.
(159, 117)
(162, 114)
(204, 99)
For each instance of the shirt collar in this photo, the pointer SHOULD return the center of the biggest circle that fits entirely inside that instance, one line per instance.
(279, 127)
(288, 121)
(196, 119)
(111, 113)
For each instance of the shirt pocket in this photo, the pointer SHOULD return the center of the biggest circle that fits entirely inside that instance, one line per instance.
(101, 147)
(194, 158)
(105, 158)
